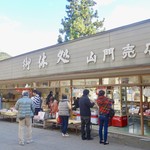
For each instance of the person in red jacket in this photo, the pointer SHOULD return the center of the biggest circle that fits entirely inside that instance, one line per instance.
(104, 104)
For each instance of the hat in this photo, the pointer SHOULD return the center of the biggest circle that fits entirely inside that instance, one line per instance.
(101, 93)
(86, 92)
(25, 93)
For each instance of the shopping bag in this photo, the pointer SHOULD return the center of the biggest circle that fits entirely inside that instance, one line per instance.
(59, 121)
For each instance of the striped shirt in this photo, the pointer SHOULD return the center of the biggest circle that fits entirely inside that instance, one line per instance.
(37, 101)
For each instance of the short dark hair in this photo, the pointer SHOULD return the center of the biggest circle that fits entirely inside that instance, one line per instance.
(86, 92)
(35, 91)
(64, 96)
(101, 93)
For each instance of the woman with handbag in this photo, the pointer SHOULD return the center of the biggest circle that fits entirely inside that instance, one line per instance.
(104, 104)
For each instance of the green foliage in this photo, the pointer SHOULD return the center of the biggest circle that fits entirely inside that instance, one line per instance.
(4, 55)
(82, 20)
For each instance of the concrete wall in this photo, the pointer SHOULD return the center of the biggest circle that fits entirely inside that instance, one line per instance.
(137, 34)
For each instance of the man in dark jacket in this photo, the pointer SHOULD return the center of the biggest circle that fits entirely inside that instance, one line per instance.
(85, 113)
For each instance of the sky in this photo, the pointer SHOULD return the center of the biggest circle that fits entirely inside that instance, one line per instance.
(28, 25)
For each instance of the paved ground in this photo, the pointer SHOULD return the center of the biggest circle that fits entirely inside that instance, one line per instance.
(45, 139)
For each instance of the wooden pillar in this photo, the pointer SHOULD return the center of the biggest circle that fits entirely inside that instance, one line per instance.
(141, 111)
(71, 92)
(71, 114)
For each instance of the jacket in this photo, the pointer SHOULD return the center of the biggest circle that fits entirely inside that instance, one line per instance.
(25, 107)
(64, 108)
(104, 104)
(85, 105)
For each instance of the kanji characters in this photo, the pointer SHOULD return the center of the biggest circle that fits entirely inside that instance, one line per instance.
(108, 52)
(147, 50)
(26, 63)
(92, 58)
(129, 51)
(42, 60)
(63, 56)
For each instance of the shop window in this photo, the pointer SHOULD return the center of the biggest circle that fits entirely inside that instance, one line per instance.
(10, 86)
(146, 79)
(146, 91)
(133, 94)
(65, 83)
(106, 81)
(66, 91)
(92, 81)
(25, 85)
(2, 86)
(78, 82)
(54, 84)
(41, 84)
(129, 80)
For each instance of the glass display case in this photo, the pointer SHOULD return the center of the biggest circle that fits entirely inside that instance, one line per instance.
(119, 96)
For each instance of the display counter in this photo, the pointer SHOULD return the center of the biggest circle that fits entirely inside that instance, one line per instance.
(75, 124)
(8, 114)
(94, 115)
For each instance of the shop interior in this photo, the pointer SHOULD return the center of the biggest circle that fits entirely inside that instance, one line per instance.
(127, 94)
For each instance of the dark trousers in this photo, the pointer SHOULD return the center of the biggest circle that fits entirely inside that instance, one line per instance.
(64, 124)
(85, 127)
(36, 111)
(104, 120)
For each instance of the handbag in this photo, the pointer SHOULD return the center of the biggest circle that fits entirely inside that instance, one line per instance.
(111, 113)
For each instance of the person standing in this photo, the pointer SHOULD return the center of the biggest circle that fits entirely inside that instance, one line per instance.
(104, 104)
(76, 103)
(36, 101)
(54, 108)
(85, 104)
(64, 108)
(25, 109)
(48, 97)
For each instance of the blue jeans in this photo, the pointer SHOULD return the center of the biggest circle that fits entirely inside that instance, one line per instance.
(104, 121)
(64, 124)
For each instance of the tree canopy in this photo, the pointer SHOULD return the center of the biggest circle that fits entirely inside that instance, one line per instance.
(4, 55)
(82, 20)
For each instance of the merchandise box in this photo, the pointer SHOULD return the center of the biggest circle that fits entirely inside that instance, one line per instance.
(94, 117)
(119, 121)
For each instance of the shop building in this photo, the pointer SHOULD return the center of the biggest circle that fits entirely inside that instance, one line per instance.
(117, 61)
